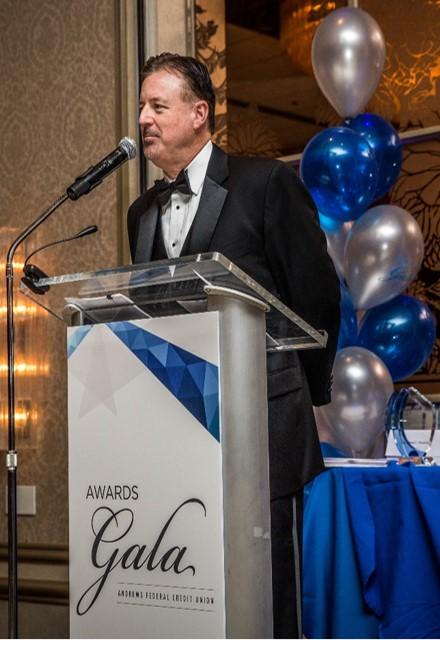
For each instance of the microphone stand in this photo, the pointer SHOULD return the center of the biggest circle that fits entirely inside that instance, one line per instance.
(11, 455)
(83, 184)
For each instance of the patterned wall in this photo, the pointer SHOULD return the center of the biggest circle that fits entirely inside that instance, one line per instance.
(409, 96)
(210, 47)
(58, 115)
(417, 190)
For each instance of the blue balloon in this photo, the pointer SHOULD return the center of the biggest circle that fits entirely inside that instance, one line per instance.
(401, 332)
(348, 326)
(329, 224)
(386, 144)
(339, 168)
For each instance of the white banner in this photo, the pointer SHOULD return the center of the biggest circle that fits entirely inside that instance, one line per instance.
(145, 481)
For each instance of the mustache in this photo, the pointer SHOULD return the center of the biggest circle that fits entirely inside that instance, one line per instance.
(149, 133)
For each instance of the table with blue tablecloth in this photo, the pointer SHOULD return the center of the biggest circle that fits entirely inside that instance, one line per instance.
(372, 553)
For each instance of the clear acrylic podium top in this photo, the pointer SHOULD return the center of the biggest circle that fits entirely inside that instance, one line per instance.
(169, 287)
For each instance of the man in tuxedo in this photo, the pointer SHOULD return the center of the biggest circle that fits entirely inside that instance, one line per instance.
(259, 215)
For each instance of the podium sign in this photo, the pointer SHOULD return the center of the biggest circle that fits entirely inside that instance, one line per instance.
(145, 479)
(168, 477)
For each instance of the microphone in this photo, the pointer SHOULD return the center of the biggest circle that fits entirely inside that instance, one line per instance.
(33, 273)
(94, 175)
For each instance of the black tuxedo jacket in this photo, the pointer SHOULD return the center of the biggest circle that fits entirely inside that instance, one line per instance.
(259, 215)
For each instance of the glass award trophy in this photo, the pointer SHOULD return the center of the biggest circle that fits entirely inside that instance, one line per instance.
(411, 422)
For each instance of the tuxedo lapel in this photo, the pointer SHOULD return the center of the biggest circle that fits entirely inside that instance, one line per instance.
(146, 230)
(210, 205)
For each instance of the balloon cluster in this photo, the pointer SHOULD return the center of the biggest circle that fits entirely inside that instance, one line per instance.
(377, 251)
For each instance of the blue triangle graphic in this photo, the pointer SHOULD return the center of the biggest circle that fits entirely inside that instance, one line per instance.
(198, 372)
(191, 379)
(160, 351)
(75, 337)
(211, 381)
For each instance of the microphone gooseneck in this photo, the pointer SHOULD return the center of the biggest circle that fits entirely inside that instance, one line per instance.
(91, 229)
(33, 273)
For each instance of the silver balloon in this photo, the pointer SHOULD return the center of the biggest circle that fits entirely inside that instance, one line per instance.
(362, 386)
(348, 54)
(336, 246)
(383, 253)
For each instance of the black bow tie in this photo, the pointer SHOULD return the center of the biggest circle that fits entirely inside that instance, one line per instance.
(165, 189)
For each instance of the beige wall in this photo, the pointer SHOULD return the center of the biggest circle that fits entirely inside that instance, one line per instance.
(59, 113)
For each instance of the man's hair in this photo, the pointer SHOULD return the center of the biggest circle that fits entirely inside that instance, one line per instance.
(193, 72)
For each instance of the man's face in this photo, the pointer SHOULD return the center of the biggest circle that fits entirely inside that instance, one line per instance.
(168, 122)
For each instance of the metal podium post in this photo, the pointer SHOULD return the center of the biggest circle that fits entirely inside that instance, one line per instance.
(248, 572)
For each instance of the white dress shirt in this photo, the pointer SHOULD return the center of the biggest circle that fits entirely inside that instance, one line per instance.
(178, 214)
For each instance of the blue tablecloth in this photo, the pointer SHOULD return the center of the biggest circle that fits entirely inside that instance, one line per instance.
(372, 553)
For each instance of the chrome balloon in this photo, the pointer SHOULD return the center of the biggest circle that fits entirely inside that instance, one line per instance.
(361, 389)
(336, 240)
(383, 254)
(348, 329)
(348, 55)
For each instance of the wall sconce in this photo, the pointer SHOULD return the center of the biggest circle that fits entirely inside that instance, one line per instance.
(26, 369)
(30, 357)
(25, 418)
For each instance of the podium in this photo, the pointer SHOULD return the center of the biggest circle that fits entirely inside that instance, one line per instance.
(169, 519)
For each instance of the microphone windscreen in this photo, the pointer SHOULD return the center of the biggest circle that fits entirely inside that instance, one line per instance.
(129, 146)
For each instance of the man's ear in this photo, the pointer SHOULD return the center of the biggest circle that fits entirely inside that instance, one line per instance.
(201, 112)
